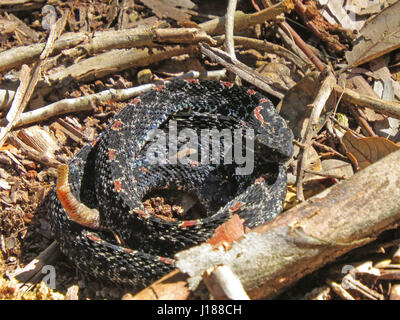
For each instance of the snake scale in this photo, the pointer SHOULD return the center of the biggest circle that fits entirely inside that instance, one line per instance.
(112, 175)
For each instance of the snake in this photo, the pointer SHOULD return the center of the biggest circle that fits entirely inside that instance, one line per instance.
(96, 210)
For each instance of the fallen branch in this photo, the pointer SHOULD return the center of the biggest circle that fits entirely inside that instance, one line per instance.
(84, 103)
(6, 98)
(223, 284)
(306, 237)
(389, 108)
(115, 61)
(172, 286)
(295, 41)
(303, 46)
(334, 36)
(87, 43)
(15, 57)
(31, 153)
(301, 240)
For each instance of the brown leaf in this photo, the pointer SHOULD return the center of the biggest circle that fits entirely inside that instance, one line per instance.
(169, 9)
(377, 37)
(364, 151)
(337, 167)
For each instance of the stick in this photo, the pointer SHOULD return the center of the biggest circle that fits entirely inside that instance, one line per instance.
(318, 105)
(243, 71)
(229, 26)
(392, 109)
(116, 60)
(84, 103)
(81, 43)
(243, 21)
(222, 283)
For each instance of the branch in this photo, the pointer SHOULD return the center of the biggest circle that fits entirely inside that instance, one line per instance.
(243, 21)
(302, 239)
(117, 60)
(243, 71)
(392, 109)
(326, 226)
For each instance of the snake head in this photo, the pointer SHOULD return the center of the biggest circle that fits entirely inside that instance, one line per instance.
(275, 140)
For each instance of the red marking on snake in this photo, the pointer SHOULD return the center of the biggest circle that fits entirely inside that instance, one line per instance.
(166, 260)
(94, 142)
(235, 207)
(188, 223)
(251, 92)
(195, 81)
(136, 101)
(111, 154)
(93, 237)
(160, 87)
(259, 180)
(117, 125)
(263, 100)
(140, 212)
(227, 84)
(117, 185)
(127, 250)
(258, 114)
(193, 164)
(143, 169)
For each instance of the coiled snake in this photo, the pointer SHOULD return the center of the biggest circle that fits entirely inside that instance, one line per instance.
(99, 193)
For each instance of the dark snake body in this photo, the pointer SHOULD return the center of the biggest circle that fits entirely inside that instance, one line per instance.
(113, 176)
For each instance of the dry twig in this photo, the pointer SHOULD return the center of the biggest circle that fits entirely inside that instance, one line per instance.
(84, 103)
(243, 71)
(317, 107)
(389, 108)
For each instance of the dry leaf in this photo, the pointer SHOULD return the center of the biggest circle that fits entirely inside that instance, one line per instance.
(380, 71)
(338, 12)
(294, 107)
(364, 151)
(313, 164)
(377, 37)
(170, 9)
(337, 167)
